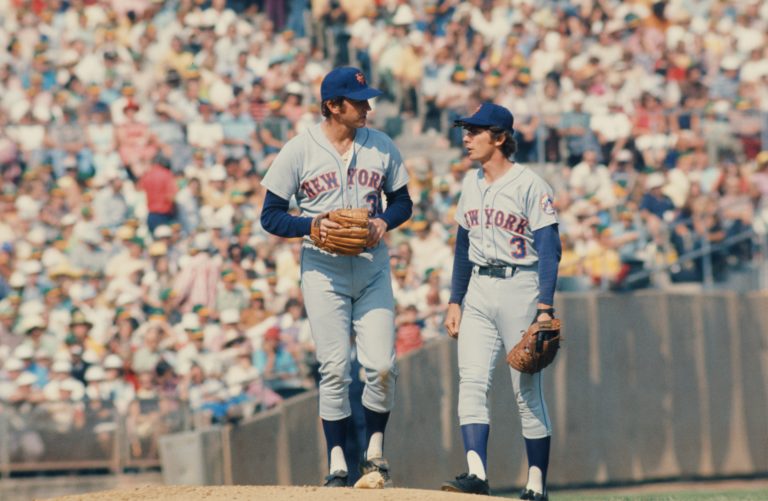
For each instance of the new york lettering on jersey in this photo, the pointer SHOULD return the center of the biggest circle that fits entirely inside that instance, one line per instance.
(504, 221)
(312, 170)
(365, 183)
(501, 217)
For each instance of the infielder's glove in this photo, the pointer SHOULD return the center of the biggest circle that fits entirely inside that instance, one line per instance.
(538, 347)
(350, 239)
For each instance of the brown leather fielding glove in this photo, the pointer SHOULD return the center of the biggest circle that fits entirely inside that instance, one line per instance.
(538, 347)
(350, 239)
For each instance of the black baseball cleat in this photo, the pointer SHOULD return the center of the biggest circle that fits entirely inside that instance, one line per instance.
(336, 479)
(375, 468)
(468, 484)
(534, 496)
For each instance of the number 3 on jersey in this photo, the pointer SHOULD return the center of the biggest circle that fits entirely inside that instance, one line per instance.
(518, 247)
(374, 202)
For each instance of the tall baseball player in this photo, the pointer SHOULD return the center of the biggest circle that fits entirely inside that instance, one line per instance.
(504, 275)
(336, 165)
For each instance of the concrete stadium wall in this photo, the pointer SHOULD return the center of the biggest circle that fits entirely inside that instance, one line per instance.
(193, 457)
(648, 385)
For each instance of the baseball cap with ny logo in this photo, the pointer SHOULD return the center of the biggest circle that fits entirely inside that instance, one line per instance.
(348, 82)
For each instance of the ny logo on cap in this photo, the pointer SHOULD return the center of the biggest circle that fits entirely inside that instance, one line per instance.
(360, 78)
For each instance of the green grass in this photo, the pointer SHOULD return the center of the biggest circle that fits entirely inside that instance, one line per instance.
(715, 495)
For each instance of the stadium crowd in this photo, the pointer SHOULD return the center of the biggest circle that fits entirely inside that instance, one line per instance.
(134, 275)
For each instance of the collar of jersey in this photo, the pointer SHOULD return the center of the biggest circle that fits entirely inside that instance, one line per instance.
(511, 174)
(318, 133)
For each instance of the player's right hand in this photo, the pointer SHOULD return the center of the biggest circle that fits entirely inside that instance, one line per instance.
(453, 319)
(324, 224)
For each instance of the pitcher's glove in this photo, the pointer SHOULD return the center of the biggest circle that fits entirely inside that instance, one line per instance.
(350, 239)
(538, 347)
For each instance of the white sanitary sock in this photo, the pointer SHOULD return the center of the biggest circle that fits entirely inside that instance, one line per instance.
(338, 463)
(375, 446)
(475, 465)
(535, 482)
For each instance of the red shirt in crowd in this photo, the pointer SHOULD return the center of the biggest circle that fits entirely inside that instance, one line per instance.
(160, 186)
(408, 338)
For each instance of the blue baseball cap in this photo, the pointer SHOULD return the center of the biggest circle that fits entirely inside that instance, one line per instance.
(488, 115)
(347, 82)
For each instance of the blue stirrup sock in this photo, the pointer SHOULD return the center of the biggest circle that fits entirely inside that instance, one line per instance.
(475, 438)
(375, 424)
(537, 450)
(336, 436)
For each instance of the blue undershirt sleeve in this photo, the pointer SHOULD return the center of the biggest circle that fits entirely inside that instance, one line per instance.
(546, 241)
(462, 267)
(399, 208)
(276, 220)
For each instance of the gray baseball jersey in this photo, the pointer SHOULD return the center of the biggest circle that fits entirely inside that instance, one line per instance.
(309, 168)
(502, 216)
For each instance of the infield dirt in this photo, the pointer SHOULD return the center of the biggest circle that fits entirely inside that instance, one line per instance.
(270, 493)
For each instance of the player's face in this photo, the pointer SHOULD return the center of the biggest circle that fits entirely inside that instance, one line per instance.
(479, 143)
(354, 113)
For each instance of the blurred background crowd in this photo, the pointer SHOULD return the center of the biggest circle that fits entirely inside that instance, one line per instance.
(136, 284)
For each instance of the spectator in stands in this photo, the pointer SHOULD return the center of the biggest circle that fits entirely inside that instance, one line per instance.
(656, 208)
(522, 105)
(256, 312)
(736, 212)
(110, 207)
(575, 129)
(101, 140)
(591, 179)
(552, 107)
(188, 202)
(612, 130)
(64, 139)
(239, 129)
(36, 336)
(231, 294)
(651, 130)
(160, 188)
(233, 336)
(170, 135)
(432, 302)
(134, 141)
(408, 332)
(276, 365)
(65, 410)
(25, 442)
(99, 409)
(144, 421)
(114, 387)
(148, 354)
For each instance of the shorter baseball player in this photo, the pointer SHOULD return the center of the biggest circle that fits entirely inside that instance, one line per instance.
(504, 276)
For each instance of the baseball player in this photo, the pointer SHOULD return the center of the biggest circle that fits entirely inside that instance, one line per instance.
(340, 163)
(504, 273)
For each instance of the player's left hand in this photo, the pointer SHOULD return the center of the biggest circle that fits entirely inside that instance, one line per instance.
(376, 229)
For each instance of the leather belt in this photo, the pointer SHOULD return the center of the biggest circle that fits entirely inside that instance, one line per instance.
(497, 271)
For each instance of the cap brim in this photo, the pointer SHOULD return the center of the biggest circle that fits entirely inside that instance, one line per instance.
(363, 94)
(475, 122)
(461, 122)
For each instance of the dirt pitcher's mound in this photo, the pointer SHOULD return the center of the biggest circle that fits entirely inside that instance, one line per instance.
(268, 493)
